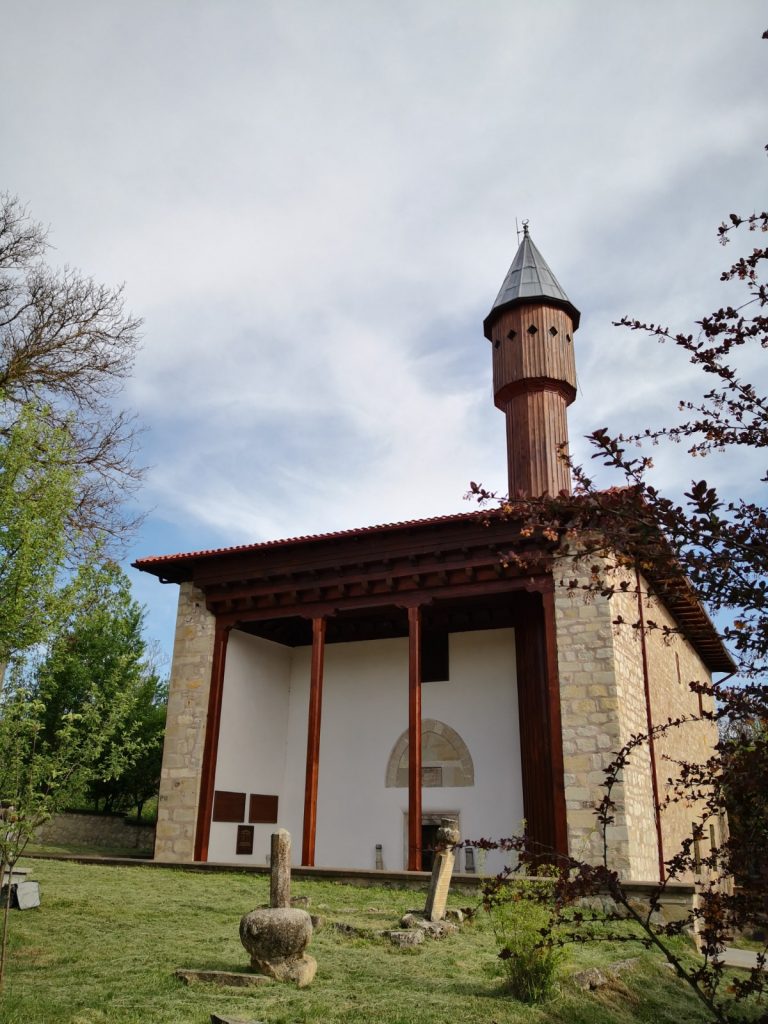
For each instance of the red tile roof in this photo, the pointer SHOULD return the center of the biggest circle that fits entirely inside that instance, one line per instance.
(360, 531)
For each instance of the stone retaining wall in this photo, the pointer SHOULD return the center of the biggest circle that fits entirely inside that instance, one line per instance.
(96, 830)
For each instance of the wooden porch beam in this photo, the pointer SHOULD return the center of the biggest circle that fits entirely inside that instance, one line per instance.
(284, 583)
(414, 597)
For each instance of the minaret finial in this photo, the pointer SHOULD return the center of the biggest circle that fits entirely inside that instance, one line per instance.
(525, 229)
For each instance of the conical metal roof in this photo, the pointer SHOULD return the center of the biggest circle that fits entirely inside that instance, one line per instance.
(529, 279)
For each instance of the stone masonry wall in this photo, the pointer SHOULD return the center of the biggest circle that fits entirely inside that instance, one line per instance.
(95, 830)
(602, 696)
(185, 729)
(638, 783)
(590, 718)
(672, 666)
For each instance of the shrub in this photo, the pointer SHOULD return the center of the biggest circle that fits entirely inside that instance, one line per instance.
(521, 914)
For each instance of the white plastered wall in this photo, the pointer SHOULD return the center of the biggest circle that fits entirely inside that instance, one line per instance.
(252, 734)
(263, 738)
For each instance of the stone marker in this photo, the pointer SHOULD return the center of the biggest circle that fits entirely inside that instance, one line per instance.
(27, 895)
(442, 870)
(276, 936)
(280, 869)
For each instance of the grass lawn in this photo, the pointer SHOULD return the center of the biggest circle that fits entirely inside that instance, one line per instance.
(105, 942)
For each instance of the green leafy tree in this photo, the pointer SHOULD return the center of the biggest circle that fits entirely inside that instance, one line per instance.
(744, 748)
(100, 643)
(138, 781)
(37, 490)
(72, 717)
(40, 770)
(66, 462)
(100, 655)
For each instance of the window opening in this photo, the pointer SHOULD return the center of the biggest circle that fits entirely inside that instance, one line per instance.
(434, 655)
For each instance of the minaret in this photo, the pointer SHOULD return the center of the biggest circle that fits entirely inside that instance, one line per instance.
(531, 327)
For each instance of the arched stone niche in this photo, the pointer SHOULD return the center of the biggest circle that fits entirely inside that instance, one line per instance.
(445, 758)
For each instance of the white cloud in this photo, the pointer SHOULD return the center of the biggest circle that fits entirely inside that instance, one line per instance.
(313, 206)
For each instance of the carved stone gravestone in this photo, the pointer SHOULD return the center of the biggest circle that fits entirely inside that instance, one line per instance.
(280, 869)
(442, 870)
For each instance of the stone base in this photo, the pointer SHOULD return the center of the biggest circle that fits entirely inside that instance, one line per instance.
(406, 938)
(301, 969)
(232, 978)
(435, 929)
(593, 978)
(216, 1018)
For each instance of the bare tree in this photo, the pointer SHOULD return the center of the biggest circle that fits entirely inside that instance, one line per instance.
(67, 344)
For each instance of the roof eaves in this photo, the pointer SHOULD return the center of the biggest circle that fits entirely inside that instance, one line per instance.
(147, 564)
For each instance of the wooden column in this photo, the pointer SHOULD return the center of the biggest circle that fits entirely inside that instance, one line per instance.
(211, 746)
(541, 744)
(414, 739)
(559, 814)
(313, 743)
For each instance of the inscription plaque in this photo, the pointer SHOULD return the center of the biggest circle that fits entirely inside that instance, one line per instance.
(244, 839)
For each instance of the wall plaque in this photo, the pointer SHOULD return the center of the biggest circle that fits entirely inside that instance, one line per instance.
(244, 839)
(432, 776)
(263, 809)
(228, 806)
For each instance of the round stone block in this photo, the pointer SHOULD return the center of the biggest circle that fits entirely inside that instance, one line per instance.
(276, 933)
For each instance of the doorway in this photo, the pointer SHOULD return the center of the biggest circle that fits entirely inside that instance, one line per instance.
(430, 823)
(428, 840)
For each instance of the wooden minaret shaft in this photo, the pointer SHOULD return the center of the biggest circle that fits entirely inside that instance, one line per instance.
(534, 382)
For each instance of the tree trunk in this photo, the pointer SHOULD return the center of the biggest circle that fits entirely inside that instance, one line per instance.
(6, 913)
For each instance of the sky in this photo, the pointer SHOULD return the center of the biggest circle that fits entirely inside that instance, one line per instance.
(313, 203)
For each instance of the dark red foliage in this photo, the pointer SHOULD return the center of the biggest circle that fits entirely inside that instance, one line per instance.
(716, 546)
